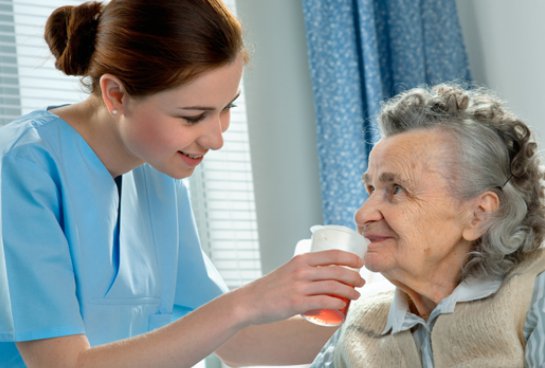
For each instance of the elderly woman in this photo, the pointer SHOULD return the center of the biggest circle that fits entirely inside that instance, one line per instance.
(455, 219)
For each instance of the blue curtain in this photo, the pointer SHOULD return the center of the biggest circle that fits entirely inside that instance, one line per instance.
(360, 53)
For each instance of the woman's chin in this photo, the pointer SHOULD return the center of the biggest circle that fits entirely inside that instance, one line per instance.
(376, 262)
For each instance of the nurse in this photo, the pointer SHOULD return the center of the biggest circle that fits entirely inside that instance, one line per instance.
(99, 256)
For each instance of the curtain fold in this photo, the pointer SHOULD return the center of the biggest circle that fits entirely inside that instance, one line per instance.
(362, 52)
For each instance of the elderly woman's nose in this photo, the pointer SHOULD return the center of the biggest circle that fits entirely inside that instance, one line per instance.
(368, 212)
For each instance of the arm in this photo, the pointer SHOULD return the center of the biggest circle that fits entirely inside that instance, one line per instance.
(300, 285)
(180, 344)
(288, 342)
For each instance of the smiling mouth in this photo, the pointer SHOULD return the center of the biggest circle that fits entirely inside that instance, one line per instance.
(194, 157)
(376, 238)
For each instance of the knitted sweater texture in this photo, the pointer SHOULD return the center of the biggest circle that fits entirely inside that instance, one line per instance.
(482, 333)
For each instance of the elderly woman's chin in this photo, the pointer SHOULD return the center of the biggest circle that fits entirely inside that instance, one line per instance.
(376, 262)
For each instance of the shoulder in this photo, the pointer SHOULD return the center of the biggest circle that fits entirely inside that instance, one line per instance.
(531, 264)
(31, 133)
(371, 311)
(532, 271)
(373, 302)
(519, 287)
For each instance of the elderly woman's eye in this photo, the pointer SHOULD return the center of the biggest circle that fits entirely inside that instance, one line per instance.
(396, 189)
(370, 189)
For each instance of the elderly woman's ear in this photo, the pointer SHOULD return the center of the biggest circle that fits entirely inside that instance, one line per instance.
(481, 209)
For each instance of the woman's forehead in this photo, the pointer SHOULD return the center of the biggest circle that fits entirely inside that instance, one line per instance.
(400, 156)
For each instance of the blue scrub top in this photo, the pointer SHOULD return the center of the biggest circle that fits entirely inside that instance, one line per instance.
(73, 260)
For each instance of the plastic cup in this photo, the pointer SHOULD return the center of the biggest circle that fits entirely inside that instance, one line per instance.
(326, 237)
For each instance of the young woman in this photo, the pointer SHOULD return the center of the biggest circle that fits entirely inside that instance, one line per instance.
(99, 254)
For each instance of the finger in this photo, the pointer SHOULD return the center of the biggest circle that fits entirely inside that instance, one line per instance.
(334, 257)
(324, 302)
(332, 288)
(338, 273)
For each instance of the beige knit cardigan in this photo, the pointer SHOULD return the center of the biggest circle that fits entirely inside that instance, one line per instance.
(481, 333)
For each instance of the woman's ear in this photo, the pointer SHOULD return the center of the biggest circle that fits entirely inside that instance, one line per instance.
(483, 207)
(113, 92)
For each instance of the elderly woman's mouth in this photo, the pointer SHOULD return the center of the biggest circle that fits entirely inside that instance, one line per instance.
(376, 237)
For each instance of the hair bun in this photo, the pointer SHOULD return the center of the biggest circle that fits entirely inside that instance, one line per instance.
(70, 33)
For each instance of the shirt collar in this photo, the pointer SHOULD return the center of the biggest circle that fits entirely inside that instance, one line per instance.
(470, 289)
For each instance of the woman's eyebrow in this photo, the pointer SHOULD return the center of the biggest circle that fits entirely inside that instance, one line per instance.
(208, 108)
(389, 177)
(385, 177)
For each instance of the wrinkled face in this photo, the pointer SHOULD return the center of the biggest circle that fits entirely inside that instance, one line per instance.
(413, 222)
(174, 129)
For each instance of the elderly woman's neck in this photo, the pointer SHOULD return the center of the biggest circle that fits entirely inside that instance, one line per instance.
(425, 294)
(429, 283)
(421, 304)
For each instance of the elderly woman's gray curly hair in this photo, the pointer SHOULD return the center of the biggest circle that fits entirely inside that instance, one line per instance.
(494, 151)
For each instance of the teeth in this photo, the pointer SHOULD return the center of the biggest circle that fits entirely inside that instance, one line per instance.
(191, 156)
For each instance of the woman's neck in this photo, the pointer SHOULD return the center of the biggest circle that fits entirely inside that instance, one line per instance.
(423, 303)
(425, 292)
(99, 129)
(427, 283)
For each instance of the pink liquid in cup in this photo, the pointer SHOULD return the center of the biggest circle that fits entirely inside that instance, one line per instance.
(328, 317)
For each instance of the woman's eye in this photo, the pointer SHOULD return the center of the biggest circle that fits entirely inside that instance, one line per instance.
(396, 189)
(194, 119)
(230, 106)
(370, 189)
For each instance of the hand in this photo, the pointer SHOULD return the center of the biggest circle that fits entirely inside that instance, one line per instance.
(308, 281)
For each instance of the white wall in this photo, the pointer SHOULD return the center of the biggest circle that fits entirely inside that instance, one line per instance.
(281, 126)
(504, 41)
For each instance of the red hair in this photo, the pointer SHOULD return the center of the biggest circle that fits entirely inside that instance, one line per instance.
(149, 45)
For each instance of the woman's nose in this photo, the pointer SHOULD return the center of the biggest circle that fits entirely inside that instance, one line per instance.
(369, 211)
(213, 136)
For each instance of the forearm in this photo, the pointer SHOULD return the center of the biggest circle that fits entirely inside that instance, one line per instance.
(182, 343)
(289, 342)
(179, 344)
